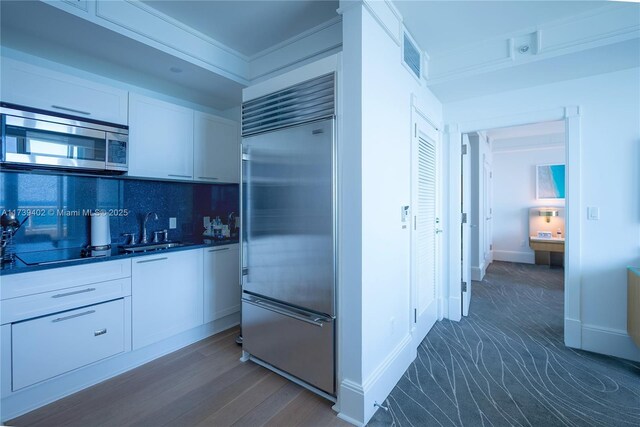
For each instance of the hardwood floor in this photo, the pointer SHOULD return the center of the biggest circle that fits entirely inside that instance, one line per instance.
(203, 384)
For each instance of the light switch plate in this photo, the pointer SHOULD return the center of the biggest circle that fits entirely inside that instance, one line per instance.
(593, 213)
(172, 223)
(404, 213)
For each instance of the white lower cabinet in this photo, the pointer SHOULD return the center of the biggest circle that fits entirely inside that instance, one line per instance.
(52, 345)
(222, 291)
(167, 295)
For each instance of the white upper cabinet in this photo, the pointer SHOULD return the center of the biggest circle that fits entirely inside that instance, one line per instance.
(216, 149)
(31, 86)
(160, 139)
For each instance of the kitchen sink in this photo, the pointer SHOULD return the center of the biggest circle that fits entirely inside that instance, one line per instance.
(150, 247)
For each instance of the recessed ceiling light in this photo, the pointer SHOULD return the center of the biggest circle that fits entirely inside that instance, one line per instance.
(175, 70)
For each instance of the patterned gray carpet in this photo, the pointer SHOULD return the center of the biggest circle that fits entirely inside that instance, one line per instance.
(506, 364)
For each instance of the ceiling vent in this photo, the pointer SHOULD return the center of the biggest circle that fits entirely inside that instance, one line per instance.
(411, 56)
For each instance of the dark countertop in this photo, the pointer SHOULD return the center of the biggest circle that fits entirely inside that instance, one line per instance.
(20, 267)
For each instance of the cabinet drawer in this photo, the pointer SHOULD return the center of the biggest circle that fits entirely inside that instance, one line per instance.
(49, 346)
(35, 87)
(28, 307)
(18, 285)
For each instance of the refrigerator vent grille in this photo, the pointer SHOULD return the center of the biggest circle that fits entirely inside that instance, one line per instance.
(304, 102)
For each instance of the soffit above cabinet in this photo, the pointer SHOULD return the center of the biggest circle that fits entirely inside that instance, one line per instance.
(133, 42)
(271, 22)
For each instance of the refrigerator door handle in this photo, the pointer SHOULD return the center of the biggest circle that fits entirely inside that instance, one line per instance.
(313, 319)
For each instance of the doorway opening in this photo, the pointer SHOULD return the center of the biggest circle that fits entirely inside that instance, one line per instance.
(513, 195)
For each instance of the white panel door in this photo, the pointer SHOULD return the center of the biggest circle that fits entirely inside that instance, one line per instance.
(465, 224)
(216, 149)
(31, 86)
(221, 282)
(160, 139)
(167, 295)
(488, 214)
(424, 188)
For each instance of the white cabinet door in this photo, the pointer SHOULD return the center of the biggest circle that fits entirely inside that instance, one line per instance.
(31, 86)
(221, 282)
(216, 149)
(166, 293)
(160, 139)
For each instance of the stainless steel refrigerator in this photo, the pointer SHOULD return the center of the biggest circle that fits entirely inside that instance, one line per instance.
(288, 248)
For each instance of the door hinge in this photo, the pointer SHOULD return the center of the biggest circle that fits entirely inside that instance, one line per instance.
(464, 286)
(491, 246)
(415, 315)
(464, 149)
(464, 218)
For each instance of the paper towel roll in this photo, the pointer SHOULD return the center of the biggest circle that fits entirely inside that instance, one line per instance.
(100, 230)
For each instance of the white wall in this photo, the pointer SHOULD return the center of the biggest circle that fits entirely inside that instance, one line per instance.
(610, 179)
(514, 192)
(377, 93)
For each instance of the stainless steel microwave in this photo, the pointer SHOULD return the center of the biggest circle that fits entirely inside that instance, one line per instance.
(34, 138)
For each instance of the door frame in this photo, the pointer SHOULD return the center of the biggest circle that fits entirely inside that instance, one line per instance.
(573, 268)
(465, 223)
(418, 112)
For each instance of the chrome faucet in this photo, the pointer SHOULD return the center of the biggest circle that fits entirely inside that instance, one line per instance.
(144, 226)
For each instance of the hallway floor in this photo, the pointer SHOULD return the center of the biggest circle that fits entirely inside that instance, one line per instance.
(506, 364)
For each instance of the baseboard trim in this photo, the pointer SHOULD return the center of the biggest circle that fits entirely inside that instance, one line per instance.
(385, 377)
(350, 420)
(477, 273)
(572, 333)
(514, 256)
(357, 401)
(64, 385)
(455, 309)
(351, 402)
(612, 342)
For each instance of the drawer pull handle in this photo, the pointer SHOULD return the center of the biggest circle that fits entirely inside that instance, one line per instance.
(72, 110)
(73, 293)
(152, 260)
(218, 250)
(73, 316)
(100, 332)
(179, 176)
(208, 177)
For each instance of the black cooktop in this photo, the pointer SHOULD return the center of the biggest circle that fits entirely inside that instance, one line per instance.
(56, 256)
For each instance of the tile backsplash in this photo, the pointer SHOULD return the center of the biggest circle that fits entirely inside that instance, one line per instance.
(58, 204)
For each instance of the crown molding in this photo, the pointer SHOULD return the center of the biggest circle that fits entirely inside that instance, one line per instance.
(387, 16)
(317, 29)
